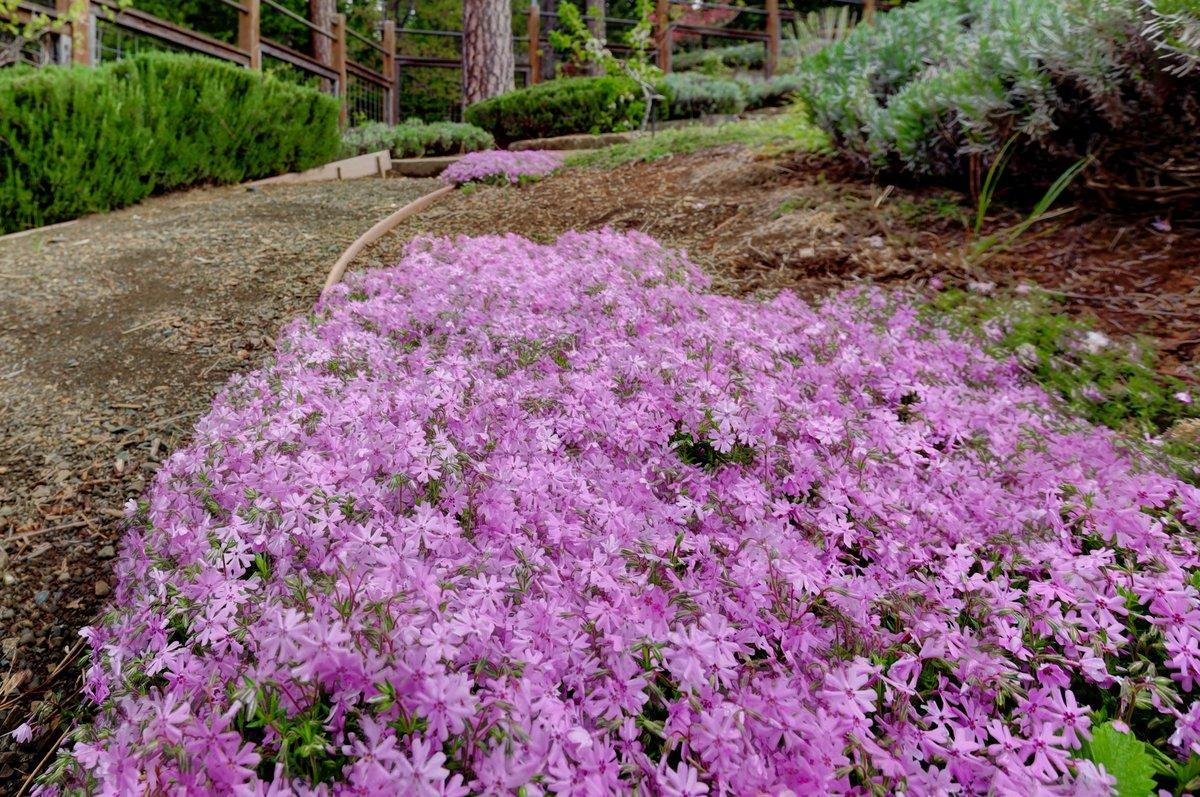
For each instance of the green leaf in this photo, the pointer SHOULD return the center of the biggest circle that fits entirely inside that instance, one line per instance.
(1124, 757)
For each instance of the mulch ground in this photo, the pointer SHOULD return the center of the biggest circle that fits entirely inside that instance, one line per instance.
(116, 332)
(759, 224)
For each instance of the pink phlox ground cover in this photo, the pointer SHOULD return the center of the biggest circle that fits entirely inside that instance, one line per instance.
(497, 165)
(550, 517)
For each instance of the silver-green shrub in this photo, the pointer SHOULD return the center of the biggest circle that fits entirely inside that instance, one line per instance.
(692, 94)
(415, 139)
(934, 82)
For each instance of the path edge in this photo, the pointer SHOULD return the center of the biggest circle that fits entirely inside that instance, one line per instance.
(380, 229)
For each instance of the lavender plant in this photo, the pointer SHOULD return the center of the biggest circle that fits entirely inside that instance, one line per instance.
(938, 82)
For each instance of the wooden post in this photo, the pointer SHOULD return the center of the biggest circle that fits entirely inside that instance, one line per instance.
(868, 11)
(772, 62)
(79, 30)
(339, 62)
(250, 31)
(389, 71)
(662, 21)
(535, 35)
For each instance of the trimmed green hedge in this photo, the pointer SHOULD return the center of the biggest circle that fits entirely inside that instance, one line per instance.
(76, 141)
(561, 107)
(415, 139)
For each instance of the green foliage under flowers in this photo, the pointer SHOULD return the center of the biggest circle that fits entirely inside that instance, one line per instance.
(603, 104)
(691, 94)
(1124, 757)
(1107, 382)
(78, 141)
(937, 81)
(785, 132)
(415, 139)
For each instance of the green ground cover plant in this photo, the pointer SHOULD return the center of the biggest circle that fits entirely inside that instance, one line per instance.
(692, 94)
(773, 93)
(76, 141)
(415, 139)
(787, 131)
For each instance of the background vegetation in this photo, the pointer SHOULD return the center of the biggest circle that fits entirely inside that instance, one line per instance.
(560, 107)
(78, 141)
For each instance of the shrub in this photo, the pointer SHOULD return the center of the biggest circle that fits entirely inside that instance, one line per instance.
(691, 94)
(939, 81)
(514, 518)
(415, 139)
(75, 141)
(560, 107)
(773, 93)
(500, 166)
(717, 59)
(733, 57)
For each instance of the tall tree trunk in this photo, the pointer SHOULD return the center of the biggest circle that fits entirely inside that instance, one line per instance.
(595, 14)
(321, 13)
(487, 49)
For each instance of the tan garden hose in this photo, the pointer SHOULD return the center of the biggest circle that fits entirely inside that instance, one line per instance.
(378, 231)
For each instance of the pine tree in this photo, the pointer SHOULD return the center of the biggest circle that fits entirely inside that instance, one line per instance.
(488, 63)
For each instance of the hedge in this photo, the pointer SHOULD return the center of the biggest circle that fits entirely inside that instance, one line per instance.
(561, 107)
(416, 139)
(76, 141)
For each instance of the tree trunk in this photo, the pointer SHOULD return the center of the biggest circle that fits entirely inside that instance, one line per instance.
(595, 19)
(320, 13)
(487, 49)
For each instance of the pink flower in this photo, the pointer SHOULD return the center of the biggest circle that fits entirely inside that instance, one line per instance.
(452, 529)
(502, 165)
(682, 781)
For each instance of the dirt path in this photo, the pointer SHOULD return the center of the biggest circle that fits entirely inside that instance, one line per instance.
(114, 334)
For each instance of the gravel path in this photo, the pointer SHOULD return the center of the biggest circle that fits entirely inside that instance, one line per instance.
(114, 334)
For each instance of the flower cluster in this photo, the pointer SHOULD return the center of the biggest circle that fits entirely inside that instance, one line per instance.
(502, 166)
(549, 518)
